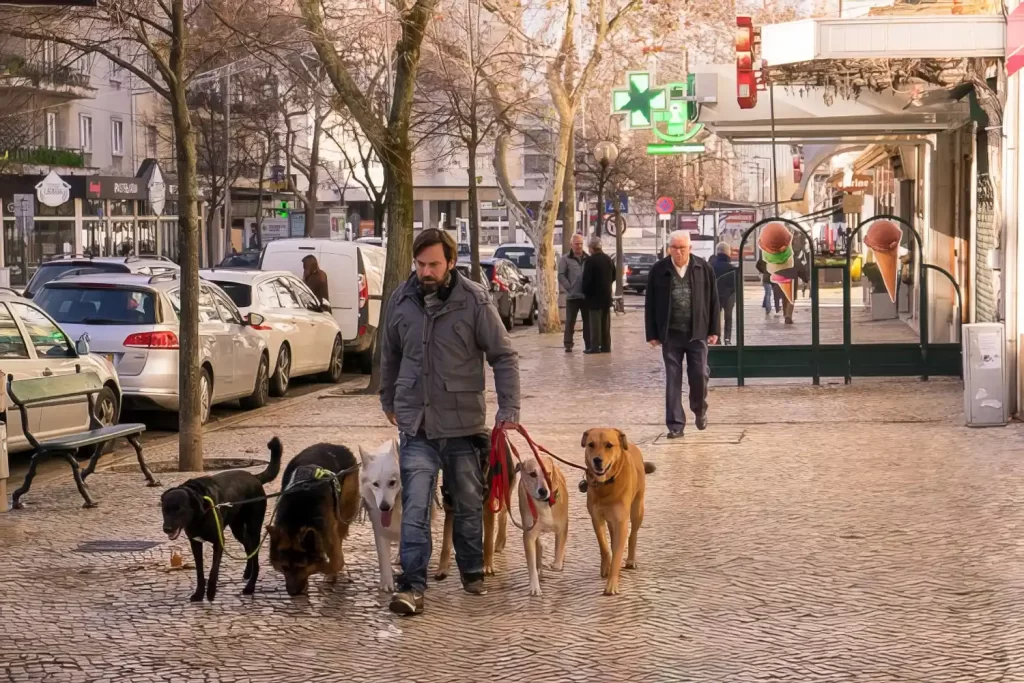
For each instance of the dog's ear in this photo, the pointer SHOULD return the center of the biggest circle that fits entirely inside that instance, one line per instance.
(583, 441)
(517, 467)
(623, 441)
(311, 541)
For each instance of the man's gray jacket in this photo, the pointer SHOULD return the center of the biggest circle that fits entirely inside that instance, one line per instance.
(570, 275)
(432, 365)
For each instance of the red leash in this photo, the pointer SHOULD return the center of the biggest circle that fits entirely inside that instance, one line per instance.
(501, 478)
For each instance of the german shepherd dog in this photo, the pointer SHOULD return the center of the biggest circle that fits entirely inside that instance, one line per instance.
(312, 522)
(185, 508)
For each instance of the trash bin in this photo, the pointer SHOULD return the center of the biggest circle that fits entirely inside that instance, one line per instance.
(985, 391)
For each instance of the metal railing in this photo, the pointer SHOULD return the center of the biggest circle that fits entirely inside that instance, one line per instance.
(41, 72)
(44, 156)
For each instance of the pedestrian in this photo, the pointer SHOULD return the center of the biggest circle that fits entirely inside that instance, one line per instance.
(570, 284)
(315, 278)
(440, 328)
(598, 280)
(682, 317)
(771, 290)
(725, 275)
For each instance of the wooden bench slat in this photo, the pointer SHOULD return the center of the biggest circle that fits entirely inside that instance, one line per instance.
(91, 438)
(28, 391)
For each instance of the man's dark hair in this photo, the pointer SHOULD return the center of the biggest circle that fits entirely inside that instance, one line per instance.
(432, 236)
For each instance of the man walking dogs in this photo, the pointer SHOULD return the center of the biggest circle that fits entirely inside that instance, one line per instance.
(570, 282)
(440, 328)
(682, 315)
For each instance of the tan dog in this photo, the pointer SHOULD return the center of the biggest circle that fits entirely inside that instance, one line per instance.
(616, 481)
(551, 517)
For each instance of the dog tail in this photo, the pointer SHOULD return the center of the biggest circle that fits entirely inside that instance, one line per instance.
(274, 468)
(649, 467)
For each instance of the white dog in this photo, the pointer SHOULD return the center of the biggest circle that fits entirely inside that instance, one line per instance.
(380, 487)
(552, 516)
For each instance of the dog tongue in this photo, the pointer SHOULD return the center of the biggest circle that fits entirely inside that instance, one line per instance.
(385, 519)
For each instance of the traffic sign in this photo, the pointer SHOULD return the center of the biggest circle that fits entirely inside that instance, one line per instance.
(665, 205)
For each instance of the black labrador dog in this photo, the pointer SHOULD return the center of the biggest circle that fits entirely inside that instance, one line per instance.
(185, 508)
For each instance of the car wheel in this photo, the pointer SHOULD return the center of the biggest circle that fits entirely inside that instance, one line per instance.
(334, 371)
(106, 410)
(260, 392)
(283, 372)
(205, 396)
(530, 319)
(510, 321)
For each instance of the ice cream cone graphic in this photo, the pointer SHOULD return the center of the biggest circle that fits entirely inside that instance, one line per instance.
(776, 244)
(787, 288)
(883, 238)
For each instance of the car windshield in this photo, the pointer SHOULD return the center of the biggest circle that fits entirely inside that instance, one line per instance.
(523, 257)
(243, 260)
(239, 292)
(98, 305)
(51, 271)
(640, 259)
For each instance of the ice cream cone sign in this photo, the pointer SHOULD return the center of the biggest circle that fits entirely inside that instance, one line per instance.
(776, 242)
(883, 238)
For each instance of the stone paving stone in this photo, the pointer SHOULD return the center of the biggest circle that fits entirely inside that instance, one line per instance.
(836, 533)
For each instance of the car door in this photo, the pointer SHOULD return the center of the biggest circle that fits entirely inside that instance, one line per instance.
(16, 360)
(323, 328)
(243, 343)
(510, 274)
(303, 343)
(222, 356)
(281, 321)
(56, 356)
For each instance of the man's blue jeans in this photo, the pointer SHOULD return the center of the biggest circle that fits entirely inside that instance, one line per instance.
(420, 459)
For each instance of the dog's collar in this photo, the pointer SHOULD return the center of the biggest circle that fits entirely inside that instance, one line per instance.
(592, 480)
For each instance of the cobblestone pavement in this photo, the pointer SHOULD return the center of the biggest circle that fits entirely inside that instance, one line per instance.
(855, 533)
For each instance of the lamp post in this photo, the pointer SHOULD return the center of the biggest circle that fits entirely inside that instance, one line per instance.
(605, 153)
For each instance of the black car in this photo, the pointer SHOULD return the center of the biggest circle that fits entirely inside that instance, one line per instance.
(638, 267)
(247, 260)
(512, 292)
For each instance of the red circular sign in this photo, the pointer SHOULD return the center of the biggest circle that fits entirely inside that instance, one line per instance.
(665, 205)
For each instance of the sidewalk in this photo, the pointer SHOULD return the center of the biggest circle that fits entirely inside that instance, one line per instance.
(810, 534)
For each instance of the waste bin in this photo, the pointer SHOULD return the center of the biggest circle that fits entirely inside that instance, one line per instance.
(985, 391)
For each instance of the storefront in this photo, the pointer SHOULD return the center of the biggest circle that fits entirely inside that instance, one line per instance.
(46, 216)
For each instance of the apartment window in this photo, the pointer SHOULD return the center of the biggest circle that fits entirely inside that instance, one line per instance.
(536, 164)
(85, 132)
(51, 129)
(117, 137)
(49, 54)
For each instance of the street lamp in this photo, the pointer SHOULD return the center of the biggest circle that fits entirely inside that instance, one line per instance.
(605, 153)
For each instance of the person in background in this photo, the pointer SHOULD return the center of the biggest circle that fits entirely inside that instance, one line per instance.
(570, 284)
(725, 275)
(682, 317)
(315, 278)
(771, 290)
(598, 280)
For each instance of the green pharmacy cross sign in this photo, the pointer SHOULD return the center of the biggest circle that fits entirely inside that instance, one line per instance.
(669, 111)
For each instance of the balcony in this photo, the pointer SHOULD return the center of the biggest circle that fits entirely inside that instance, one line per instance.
(43, 156)
(21, 73)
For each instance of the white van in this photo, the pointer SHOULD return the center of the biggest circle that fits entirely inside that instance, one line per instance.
(355, 284)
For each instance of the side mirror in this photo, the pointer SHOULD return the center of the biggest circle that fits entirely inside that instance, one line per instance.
(255, 320)
(325, 306)
(82, 345)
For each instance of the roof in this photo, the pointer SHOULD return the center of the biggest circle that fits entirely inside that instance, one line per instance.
(515, 245)
(243, 275)
(156, 282)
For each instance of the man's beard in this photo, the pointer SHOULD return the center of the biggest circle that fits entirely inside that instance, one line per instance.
(430, 286)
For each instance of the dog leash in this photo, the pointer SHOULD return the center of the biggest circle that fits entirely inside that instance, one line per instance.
(501, 479)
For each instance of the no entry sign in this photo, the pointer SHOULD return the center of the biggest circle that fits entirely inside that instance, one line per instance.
(665, 205)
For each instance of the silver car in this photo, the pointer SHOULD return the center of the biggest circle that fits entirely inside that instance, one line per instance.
(69, 265)
(32, 345)
(133, 321)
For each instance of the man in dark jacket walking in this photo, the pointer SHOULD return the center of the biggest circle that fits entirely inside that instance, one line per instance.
(598, 280)
(725, 277)
(441, 327)
(682, 315)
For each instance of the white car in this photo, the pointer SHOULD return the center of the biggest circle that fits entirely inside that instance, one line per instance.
(69, 265)
(522, 256)
(32, 345)
(302, 335)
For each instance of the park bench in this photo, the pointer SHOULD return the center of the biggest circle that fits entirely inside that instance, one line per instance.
(25, 393)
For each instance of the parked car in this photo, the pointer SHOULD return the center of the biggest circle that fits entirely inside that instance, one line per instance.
(249, 260)
(355, 284)
(133, 321)
(32, 345)
(301, 334)
(372, 241)
(523, 256)
(81, 264)
(637, 268)
(512, 293)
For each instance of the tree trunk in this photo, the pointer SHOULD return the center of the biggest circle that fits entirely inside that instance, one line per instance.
(314, 175)
(190, 428)
(569, 195)
(398, 183)
(474, 215)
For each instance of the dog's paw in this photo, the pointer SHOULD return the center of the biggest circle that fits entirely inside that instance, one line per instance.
(630, 564)
(197, 596)
(330, 578)
(211, 593)
(612, 587)
(499, 545)
(535, 589)
(249, 590)
(488, 570)
(440, 576)
(388, 587)
(554, 566)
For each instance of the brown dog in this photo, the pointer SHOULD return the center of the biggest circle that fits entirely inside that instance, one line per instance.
(493, 543)
(616, 481)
